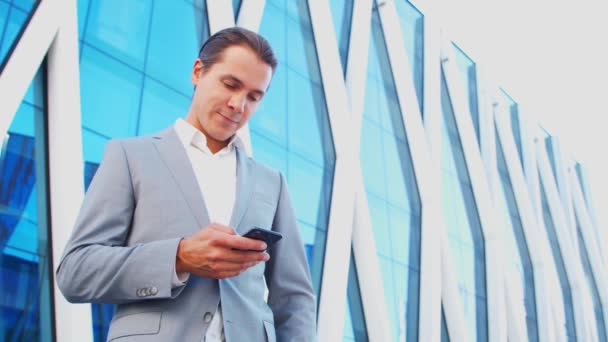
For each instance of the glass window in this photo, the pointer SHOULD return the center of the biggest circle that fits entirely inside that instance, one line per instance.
(25, 304)
(513, 111)
(465, 236)
(392, 192)
(160, 107)
(120, 29)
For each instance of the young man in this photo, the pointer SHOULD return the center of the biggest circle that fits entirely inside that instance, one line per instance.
(159, 231)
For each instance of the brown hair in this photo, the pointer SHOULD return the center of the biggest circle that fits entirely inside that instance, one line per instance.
(212, 50)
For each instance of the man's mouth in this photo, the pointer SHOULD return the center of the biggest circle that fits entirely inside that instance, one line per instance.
(228, 118)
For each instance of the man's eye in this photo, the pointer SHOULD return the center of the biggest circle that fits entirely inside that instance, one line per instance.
(230, 86)
(254, 98)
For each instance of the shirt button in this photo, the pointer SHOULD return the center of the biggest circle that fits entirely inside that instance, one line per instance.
(208, 316)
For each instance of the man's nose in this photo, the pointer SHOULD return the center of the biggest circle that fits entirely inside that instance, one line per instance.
(237, 103)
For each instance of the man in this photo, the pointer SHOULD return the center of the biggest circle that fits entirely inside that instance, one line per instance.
(159, 231)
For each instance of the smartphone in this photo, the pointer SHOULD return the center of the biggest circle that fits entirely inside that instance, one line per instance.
(265, 235)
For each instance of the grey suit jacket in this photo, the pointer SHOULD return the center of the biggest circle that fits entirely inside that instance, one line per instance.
(143, 199)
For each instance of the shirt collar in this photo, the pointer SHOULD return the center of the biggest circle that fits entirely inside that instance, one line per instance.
(190, 135)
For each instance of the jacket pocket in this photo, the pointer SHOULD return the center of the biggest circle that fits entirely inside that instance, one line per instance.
(270, 332)
(145, 323)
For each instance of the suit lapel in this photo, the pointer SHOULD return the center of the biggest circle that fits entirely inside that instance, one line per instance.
(244, 187)
(174, 155)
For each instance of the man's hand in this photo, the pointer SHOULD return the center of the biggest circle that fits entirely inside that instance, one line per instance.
(218, 252)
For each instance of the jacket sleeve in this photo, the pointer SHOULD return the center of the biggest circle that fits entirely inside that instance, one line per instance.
(290, 293)
(97, 266)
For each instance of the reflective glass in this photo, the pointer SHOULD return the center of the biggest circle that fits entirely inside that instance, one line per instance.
(13, 18)
(392, 192)
(342, 12)
(518, 263)
(465, 236)
(445, 336)
(291, 131)
(25, 291)
(561, 269)
(592, 286)
(412, 31)
(513, 111)
(468, 72)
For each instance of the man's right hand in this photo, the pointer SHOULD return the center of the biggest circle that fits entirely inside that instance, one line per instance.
(218, 252)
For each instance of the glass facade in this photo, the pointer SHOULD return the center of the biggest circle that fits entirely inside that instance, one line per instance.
(136, 58)
(465, 236)
(392, 193)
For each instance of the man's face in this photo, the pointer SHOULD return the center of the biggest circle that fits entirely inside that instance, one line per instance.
(227, 93)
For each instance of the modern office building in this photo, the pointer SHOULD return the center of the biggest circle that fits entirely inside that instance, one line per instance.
(431, 208)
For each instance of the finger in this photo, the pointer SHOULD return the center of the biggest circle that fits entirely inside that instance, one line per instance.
(241, 256)
(242, 243)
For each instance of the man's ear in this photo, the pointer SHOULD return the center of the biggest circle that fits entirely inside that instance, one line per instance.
(197, 71)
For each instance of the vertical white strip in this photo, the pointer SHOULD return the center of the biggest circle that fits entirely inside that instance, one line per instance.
(536, 240)
(586, 227)
(481, 192)
(427, 177)
(73, 321)
(220, 15)
(23, 63)
(250, 14)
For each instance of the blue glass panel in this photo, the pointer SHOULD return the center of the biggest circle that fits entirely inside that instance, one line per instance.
(466, 239)
(274, 28)
(270, 120)
(236, 6)
(592, 286)
(392, 192)
(82, 13)
(342, 12)
(301, 51)
(513, 109)
(561, 269)
(269, 152)
(13, 18)
(160, 107)
(120, 28)
(25, 290)
(518, 252)
(177, 31)
(468, 72)
(110, 94)
(412, 31)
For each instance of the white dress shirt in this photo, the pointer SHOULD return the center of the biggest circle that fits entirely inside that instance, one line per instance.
(216, 177)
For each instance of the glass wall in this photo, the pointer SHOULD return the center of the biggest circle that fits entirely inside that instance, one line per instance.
(342, 12)
(392, 194)
(25, 291)
(465, 236)
(354, 320)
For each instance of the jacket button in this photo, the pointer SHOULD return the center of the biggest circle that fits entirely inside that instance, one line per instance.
(139, 293)
(208, 316)
(153, 291)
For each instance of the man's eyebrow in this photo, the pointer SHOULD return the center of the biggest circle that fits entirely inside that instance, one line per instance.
(237, 80)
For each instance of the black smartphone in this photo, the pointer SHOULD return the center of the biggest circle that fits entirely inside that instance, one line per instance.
(265, 235)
